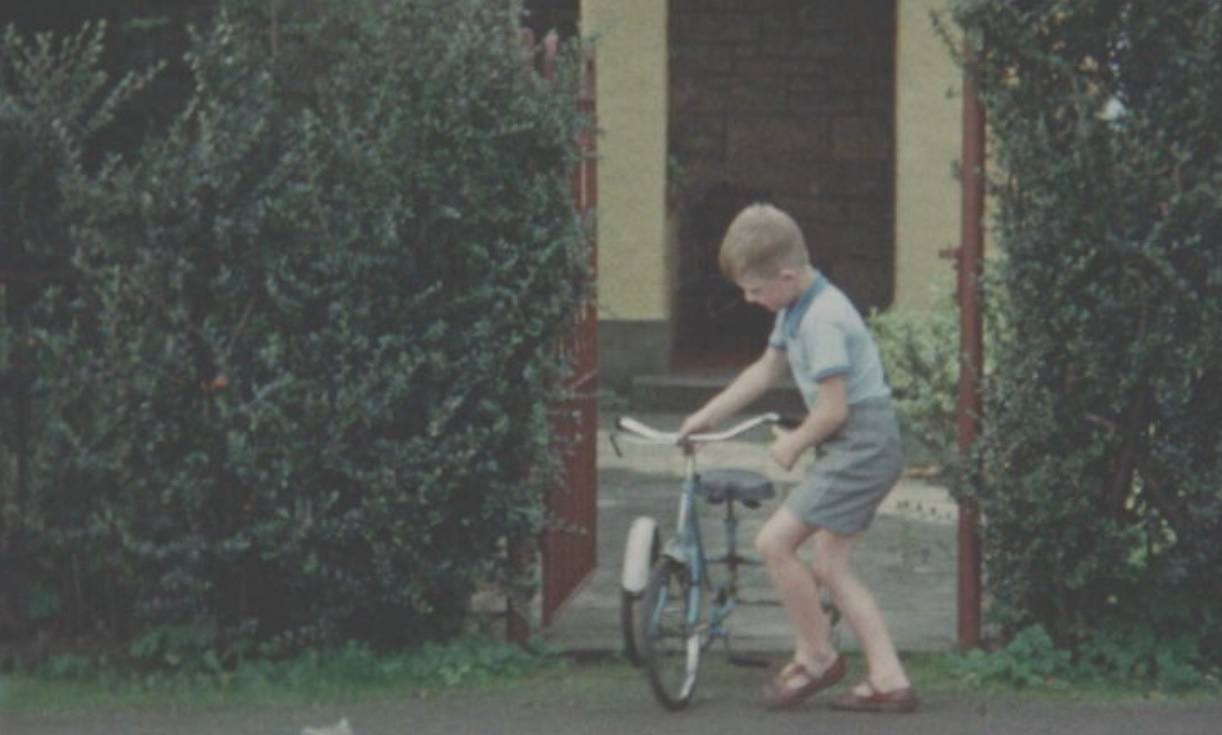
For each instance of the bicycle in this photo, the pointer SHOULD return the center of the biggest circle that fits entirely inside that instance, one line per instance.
(664, 587)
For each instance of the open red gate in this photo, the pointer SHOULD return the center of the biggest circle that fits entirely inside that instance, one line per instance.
(569, 555)
(569, 545)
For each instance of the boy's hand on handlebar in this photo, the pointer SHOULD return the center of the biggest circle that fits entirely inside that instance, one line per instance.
(695, 424)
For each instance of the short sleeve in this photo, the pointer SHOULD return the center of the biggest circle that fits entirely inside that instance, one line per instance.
(830, 355)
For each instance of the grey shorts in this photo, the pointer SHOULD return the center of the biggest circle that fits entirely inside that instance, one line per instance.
(853, 471)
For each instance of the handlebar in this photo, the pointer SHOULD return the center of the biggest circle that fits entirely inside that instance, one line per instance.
(655, 436)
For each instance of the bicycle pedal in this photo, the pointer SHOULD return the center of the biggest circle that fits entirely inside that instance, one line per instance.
(755, 662)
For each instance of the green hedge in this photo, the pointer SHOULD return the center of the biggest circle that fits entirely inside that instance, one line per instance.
(1102, 452)
(296, 387)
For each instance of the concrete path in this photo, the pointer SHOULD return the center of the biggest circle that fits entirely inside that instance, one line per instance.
(907, 558)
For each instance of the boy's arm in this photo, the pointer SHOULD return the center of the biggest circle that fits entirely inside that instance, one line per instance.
(749, 385)
(825, 418)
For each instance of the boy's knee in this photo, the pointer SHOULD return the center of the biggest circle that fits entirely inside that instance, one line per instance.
(832, 562)
(780, 537)
(769, 547)
(827, 570)
(822, 570)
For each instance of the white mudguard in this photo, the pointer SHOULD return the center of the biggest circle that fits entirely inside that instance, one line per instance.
(639, 554)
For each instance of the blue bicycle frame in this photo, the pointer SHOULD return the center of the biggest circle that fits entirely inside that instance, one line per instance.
(687, 547)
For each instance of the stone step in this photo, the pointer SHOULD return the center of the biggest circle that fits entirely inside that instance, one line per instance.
(686, 391)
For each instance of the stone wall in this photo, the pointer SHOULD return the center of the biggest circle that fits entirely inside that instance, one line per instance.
(790, 101)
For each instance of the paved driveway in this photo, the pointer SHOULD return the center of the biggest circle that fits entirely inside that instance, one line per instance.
(907, 558)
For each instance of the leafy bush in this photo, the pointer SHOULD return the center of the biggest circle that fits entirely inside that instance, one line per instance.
(297, 389)
(920, 353)
(1101, 460)
(1030, 659)
(55, 101)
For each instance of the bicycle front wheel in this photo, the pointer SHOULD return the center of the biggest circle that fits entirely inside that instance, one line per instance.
(670, 644)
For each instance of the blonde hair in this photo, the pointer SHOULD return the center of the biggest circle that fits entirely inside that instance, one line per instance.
(761, 241)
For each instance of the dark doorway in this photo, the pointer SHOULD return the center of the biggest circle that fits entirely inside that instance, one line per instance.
(790, 102)
(543, 16)
(716, 325)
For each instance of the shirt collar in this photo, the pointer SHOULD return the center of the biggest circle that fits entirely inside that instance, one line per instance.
(795, 311)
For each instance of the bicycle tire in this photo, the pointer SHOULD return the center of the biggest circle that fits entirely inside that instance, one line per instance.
(643, 531)
(670, 647)
(629, 614)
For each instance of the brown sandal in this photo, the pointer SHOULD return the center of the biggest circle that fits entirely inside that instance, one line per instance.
(783, 693)
(896, 701)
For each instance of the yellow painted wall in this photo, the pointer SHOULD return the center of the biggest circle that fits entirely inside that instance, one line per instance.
(631, 74)
(635, 281)
(928, 134)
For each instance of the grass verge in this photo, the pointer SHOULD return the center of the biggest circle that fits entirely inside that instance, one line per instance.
(349, 674)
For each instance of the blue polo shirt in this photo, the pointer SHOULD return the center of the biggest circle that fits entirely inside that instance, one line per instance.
(822, 335)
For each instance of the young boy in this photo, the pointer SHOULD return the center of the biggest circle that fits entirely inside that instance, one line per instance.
(822, 339)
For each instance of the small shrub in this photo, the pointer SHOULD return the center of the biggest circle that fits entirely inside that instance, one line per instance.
(1031, 659)
(1173, 663)
(919, 350)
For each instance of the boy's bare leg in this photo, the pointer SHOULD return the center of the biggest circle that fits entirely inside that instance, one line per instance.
(777, 543)
(833, 567)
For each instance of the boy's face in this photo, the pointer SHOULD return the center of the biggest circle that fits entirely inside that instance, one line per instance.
(773, 292)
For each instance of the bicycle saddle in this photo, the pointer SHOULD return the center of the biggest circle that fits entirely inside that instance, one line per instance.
(744, 486)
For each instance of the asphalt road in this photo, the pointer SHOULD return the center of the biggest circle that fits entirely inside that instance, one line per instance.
(611, 698)
(726, 716)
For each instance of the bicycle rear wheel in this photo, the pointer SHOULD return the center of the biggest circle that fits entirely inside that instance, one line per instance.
(670, 646)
